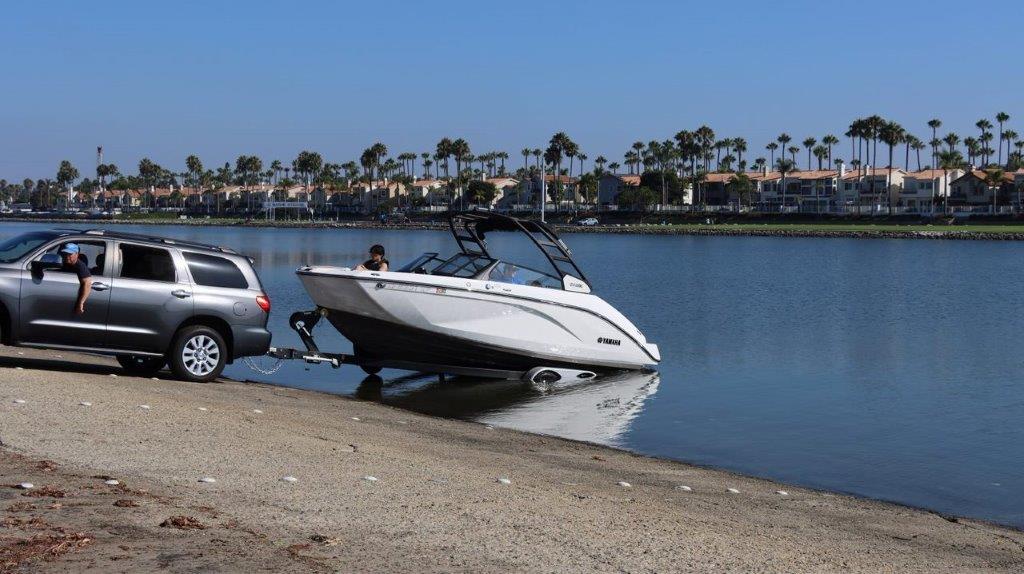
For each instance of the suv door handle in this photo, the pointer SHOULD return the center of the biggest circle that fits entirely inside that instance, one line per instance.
(181, 293)
(100, 286)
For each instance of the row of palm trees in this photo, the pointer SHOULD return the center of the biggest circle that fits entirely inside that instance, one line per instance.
(689, 154)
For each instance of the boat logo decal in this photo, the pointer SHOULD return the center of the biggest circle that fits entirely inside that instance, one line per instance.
(608, 341)
(440, 291)
(380, 285)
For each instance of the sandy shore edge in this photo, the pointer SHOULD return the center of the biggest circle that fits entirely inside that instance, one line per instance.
(438, 502)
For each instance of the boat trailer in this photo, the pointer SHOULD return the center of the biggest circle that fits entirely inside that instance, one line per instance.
(303, 322)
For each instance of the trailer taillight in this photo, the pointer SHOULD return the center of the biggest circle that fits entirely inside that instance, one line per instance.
(264, 302)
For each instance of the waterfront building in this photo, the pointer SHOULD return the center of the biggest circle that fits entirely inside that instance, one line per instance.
(971, 190)
(610, 185)
(921, 187)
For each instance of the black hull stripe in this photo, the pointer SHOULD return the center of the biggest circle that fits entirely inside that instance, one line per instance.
(375, 339)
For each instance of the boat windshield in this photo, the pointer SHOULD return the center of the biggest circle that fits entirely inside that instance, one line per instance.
(482, 268)
(463, 265)
(17, 247)
(518, 275)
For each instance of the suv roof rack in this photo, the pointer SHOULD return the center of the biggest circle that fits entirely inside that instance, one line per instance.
(153, 239)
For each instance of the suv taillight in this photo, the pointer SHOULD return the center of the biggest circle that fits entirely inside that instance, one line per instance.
(264, 302)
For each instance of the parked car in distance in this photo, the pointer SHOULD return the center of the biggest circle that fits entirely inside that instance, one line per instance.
(154, 302)
(588, 222)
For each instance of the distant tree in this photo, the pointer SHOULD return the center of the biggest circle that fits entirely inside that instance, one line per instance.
(809, 143)
(948, 160)
(784, 166)
(665, 183)
(66, 175)
(742, 186)
(636, 198)
(587, 186)
(994, 179)
(1002, 118)
(481, 192)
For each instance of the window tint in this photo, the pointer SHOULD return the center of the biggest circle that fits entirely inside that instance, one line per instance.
(147, 263)
(215, 271)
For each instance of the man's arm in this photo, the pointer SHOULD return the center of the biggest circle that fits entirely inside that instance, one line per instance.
(84, 288)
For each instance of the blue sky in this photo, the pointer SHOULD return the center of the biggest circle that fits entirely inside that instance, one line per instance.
(220, 79)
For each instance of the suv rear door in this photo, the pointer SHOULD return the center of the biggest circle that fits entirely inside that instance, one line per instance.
(48, 299)
(151, 296)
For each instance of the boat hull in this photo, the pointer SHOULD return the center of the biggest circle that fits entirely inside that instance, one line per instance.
(394, 318)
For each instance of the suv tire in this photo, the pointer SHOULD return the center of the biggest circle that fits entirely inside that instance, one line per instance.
(141, 365)
(198, 354)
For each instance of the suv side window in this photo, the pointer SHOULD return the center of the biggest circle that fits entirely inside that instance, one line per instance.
(147, 263)
(92, 252)
(214, 271)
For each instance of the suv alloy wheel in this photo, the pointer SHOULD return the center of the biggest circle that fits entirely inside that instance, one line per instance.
(198, 354)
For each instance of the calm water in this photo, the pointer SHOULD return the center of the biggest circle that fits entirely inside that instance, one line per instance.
(886, 368)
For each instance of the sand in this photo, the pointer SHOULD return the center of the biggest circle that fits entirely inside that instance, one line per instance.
(438, 502)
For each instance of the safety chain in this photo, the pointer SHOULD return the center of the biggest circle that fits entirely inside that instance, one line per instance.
(252, 364)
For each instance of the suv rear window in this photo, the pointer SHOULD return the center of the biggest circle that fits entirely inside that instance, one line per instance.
(215, 271)
(148, 263)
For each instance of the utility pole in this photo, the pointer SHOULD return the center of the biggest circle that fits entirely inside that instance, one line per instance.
(543, 191)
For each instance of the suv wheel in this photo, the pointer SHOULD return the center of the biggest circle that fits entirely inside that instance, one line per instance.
(140, 365)
(198, 354)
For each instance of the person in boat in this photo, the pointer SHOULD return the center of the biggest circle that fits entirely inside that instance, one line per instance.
(507, 273)
(376, 262)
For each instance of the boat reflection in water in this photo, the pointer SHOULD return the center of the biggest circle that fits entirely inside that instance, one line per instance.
(599, 410)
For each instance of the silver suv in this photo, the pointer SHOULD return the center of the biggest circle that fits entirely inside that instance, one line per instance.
(154, 301)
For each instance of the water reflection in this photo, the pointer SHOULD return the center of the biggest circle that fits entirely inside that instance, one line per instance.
(599, 411)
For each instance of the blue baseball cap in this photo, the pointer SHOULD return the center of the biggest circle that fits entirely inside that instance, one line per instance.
(70, 248)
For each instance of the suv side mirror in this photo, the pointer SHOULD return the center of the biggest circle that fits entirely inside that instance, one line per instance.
(49, 261)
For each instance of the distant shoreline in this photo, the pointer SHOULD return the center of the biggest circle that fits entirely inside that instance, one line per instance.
(798, 230)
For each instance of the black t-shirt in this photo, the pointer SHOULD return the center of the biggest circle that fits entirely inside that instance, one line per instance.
(79, 268)
(375, 265)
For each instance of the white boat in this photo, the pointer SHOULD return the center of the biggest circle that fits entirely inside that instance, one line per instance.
(474, 313)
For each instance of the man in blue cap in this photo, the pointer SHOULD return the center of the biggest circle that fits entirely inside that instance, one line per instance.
(72, 263)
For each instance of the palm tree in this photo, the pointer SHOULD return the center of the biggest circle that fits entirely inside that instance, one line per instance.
(891, 134)
(973, 149)
(1002, 118)
(771, 152)
(638, 148)
(829, 141)
(917, 145)
(984, 125)
(821, 154)
(600, 162)
(935, 124)
(614, 167)
(1011, 137)
(443, 152)
(195, 170)
(739, 145)
(793, 150)
(526, 157)
(949, 159)
(809, 143)
(66, 176)
(784, 166)
(908, 140)
(425, 156)
(951, 140)
(994, 179)
(461, 152)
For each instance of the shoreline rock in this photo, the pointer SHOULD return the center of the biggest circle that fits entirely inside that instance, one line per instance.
(777, 230)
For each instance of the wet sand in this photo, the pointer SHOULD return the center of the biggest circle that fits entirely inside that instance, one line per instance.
(436, 505)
